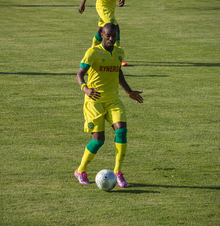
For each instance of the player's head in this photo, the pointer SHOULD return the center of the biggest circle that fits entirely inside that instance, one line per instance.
(109, 36)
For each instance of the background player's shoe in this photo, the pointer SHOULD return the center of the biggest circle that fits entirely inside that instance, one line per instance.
(123, 63)
(121, 180)
(82, 177)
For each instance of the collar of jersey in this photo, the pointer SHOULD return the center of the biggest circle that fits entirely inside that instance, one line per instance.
(107, 50)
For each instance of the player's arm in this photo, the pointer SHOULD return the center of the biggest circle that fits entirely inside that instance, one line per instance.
(121, 3)
(82, 6)
(90, 92)
(135, 95)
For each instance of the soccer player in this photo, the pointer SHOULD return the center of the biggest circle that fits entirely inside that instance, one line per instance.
(105, 10)
(102, 102)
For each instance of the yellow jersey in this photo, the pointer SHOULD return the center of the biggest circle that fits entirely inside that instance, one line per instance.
(103, 71)
(109, 4)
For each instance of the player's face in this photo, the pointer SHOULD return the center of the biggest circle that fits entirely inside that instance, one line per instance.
(109, 38)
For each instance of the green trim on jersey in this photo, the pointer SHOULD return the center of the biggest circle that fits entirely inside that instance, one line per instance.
(87, 66)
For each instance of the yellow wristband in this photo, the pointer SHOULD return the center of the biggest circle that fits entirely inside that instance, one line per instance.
(82, 86)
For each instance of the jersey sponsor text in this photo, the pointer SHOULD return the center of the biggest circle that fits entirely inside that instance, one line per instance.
(109, 68)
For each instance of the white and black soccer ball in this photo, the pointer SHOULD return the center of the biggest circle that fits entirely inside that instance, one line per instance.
(106, 180)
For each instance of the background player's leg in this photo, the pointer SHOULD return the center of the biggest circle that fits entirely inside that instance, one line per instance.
(118, 44)
(118, 37)
(97, 39)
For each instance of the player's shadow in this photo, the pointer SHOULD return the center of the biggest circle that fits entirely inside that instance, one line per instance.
(165, 64)
(170, 64)
(138, 191)
(49, 6)
(127, 190)
(194, 8)
(34, 73)
(137, 185)
(152, 76)
(51, 73)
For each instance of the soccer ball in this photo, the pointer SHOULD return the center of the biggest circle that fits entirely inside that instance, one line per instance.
(106, 180)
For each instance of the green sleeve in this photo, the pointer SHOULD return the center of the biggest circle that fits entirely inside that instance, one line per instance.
(87, 66)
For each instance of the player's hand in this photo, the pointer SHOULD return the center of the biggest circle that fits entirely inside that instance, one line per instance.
(82, 7)
(135, 95)
(121, 3)
(92, 93)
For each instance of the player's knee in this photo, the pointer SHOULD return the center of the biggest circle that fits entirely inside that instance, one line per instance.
(94, 145)
(121, 136)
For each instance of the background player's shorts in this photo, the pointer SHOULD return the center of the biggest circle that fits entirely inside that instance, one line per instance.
(106, 16)
(95, 114)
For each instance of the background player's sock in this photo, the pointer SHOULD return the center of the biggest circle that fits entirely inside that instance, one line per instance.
(96, 40)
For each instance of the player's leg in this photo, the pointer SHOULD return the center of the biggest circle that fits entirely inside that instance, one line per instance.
(94, 122)
(120, 147)
(120, 144)
(90, 151)
(116, 116)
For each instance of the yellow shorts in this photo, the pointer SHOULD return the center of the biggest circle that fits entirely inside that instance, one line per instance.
(96, 113)
(106, 16)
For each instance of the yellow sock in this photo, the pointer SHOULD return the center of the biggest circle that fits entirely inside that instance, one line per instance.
(86, 159)
(120, 153)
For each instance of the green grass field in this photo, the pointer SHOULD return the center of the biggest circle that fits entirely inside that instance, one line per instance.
(172, 163)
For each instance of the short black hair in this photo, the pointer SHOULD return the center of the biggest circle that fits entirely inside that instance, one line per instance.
(109, 26)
